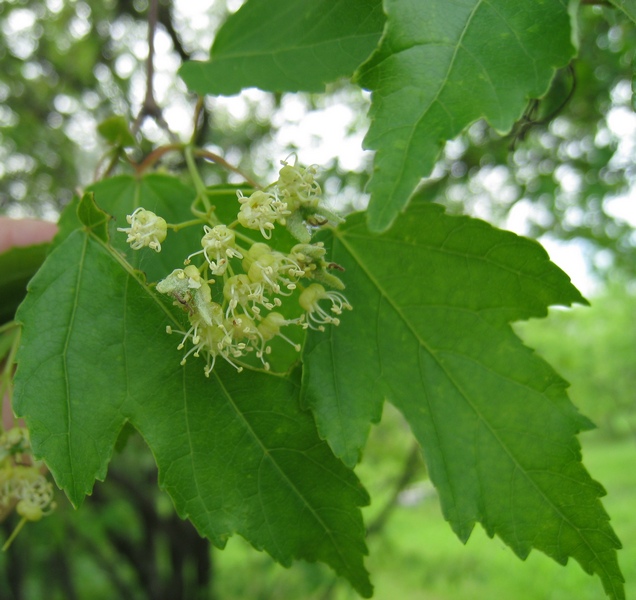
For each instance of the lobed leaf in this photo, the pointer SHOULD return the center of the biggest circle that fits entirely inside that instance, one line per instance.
(283, 46)
(235, 452)
(432, 299)
(436, 55)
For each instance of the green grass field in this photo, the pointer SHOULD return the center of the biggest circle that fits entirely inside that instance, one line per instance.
(417, 556)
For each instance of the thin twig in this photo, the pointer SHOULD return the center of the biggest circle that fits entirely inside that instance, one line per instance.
(152, 158)
(215, 158)
(199, 107)
(155, 155)
(115, 155)
(150, 108)
(201, 123)
(165, 18)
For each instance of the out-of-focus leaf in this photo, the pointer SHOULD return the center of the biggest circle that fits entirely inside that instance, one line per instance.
(627, 6)
(115, 130)
(277, 45)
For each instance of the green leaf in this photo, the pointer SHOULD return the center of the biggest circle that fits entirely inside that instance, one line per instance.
(442, 66)
(17, 266)
(432, 299)
(115, 130)
(164, 195)
(278, 46)
(67, 223)
(120, 196)
(92, 217)
(234, 451)
(627, 6)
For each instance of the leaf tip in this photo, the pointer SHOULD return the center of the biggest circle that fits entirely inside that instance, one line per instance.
(379, 220)
(187, 73)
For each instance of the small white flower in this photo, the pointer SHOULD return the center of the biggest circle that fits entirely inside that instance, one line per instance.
(269, 269)
(317, 316)
(240, 291)
(146, 229)
(219, 246)
(298, 186)
(261, 210)
(270, 326)
(220, 337)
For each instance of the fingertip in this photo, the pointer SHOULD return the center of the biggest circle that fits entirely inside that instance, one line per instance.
(24, 232)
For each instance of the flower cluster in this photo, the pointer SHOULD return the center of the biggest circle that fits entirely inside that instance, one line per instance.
(294, 200)
(239, 298)
(22, 484)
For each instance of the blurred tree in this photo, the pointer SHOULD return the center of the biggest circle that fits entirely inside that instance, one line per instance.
(72, 64)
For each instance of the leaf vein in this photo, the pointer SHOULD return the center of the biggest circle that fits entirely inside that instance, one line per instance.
(283, 474)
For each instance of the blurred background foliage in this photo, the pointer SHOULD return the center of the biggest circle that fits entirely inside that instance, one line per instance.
(564, 173)
(566, 169)
(594, 348)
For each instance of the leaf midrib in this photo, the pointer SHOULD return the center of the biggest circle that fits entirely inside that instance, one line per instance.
(67, 385)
